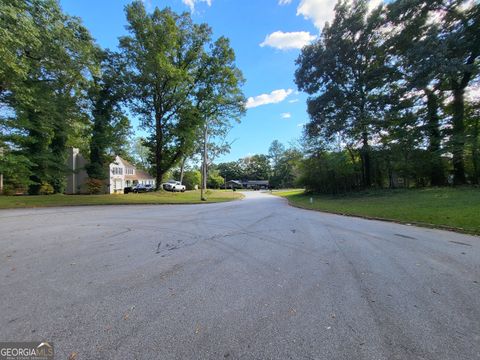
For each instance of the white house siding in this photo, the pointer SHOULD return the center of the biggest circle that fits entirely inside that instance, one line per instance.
(117, 176)
(123, 174)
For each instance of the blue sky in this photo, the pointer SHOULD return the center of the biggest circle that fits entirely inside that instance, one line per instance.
(266, 36)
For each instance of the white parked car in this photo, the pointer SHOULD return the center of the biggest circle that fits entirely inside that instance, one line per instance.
(174, 186)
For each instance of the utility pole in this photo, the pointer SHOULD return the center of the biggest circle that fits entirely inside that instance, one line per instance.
(204, 165)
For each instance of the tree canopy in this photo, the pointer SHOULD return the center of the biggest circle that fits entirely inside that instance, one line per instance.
(388, 85)
(46, 61)
(59, 89)
(180, 81)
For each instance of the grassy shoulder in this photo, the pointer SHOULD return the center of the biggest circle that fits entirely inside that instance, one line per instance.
(452, 208)
(161, 197)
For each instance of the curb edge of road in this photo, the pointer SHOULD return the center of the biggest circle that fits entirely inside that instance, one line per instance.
(54, 206)
(408, 223)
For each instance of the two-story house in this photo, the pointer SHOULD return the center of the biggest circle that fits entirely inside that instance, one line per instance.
(122, 174)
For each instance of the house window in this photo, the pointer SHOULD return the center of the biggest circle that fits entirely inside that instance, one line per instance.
(117, 171)
(129, 171)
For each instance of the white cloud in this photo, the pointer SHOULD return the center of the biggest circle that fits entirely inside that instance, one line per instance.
(301, 124)
(286, 115)
(284, 2)
(321, 11)
(293, 101)
(274, 97)
(191, 3)
(288, 40)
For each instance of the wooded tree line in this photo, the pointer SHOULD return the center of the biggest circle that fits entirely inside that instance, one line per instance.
(59, 89)
(281, 166)
(388, 100)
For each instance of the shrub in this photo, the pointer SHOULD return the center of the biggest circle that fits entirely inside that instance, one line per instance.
(8, 190)
(46, 189)
(95, 186)
(214, 181)
(191, 179)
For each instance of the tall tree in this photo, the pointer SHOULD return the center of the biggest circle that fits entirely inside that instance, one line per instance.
(460, 34)
(19, 34)
(287, 169)
(438, 45)
(419, 86)
(163, 52)
(218, 99)
(231, 171)
(276, 151)
(347, 77)
(473, 139)
(110, 126)
(256, 167)
(46, 90)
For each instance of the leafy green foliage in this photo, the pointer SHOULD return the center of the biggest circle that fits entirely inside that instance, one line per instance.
(46, 189)
(282, 167)
(181, 83)
(16, 171)
(95, 186)
(330, 172)
(285, 165)
(472, 122)
(438, 50)
(192, 179)
(140, 153)
(346, 74)
(287, 169)
(46, 57)
(214, 181)
(163, 53)
(387, 103)
(110, 128)
(256, 167)
(231, 170)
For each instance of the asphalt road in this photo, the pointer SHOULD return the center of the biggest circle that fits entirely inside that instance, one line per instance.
(251, 279)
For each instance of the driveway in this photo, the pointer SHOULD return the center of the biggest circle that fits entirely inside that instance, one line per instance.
(251, 279)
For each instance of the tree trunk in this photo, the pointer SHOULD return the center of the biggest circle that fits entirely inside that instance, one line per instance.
(366, 166)
(437, 172)
(37, 146)
(476, 152)
(391, 183)
(204, 165)
(58, 149)
(458, 136)
(158, 174)
(159, 171)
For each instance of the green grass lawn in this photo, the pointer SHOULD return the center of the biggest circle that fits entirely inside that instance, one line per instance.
(454, 208)
(161, 197)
